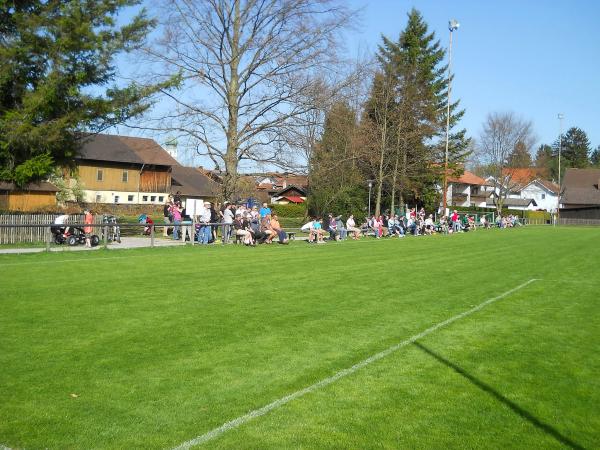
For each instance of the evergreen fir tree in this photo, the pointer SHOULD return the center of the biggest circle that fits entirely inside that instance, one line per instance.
(575, 148)
(520, 157)
(595, 157)
(333, 173)
(56, 58)
(416, 136)
(543, 156)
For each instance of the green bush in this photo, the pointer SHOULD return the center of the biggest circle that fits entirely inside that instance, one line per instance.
(290, 210)
(538, 215)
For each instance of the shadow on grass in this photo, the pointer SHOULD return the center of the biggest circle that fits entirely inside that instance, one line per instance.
(548, 429)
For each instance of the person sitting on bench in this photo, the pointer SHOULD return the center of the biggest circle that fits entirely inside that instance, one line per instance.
(351, 227)
(317, 230)
(276, 227)
(241, 228)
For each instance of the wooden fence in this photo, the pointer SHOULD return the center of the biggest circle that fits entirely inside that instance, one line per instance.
(16, 235)
(592, 222)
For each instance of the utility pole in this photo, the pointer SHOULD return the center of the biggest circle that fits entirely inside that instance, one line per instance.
(560, 121)
(452, 26)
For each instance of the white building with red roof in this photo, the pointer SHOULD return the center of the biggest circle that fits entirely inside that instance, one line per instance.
(467, 190)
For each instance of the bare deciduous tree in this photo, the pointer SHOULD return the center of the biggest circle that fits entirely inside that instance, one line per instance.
(501, 133)
(247, 69)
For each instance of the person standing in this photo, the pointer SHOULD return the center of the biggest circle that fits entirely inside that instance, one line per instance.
(88, 220)
(176, 213)
(227, 217)
(166, 217)
(264, 210)
(214, 220)
(455, 219)
(205, 228)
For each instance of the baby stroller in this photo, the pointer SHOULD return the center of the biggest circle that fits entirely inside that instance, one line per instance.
(148, 222)
(113, 229)
(75, 236)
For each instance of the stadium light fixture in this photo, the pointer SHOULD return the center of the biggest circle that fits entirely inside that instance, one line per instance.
(452, 26)
(561, 116)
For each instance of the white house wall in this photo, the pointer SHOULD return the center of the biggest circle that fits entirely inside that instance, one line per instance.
(543, 198)
(125, 197)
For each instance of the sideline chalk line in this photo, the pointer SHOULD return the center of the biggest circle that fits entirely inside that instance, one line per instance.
(216, 432)
(84, 259)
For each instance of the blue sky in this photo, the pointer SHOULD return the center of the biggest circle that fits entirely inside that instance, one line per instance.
(535, 58)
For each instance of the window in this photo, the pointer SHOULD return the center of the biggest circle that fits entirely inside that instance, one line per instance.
(543, 196)
(125, 176)
(161, 198)
(98, 198)
(144, 198)
(99, 175)
(153, 198)
(116, 199)
(130, 198)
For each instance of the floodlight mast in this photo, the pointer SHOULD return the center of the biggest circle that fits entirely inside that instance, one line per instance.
(561, 116)
(452, 26)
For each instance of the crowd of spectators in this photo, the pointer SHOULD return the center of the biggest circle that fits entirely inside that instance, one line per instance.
(254, 225)
(414, 223)
(249, 225)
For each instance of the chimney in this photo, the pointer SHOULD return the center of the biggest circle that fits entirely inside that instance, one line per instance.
(171, 147)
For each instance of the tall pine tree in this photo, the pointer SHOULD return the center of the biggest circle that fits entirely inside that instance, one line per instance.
(55, 79)
(520, 156)
(416, 118)
(595, 157)
(575, 148)
(334, 177)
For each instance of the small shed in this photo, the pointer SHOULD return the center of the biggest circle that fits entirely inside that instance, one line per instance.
(31, 197)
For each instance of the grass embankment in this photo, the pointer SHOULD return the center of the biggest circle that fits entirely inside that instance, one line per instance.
(149, 348)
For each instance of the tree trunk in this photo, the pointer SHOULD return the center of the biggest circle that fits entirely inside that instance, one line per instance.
(231, 154)
(380, 170)
(402, 178)
(394, 179)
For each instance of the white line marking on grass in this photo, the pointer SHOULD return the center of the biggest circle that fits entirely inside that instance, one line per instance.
(71, 260)
(341, 374)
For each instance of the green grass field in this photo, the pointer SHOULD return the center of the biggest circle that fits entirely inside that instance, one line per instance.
(153, 348)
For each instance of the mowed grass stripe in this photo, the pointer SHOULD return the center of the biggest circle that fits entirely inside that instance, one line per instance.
(232, 424)
(183, 339)
(519, 352)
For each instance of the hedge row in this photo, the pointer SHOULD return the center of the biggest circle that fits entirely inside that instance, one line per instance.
(290, 210)
(516, 212)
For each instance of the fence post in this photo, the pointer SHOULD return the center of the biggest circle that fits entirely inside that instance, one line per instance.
(48, 237)
(105, 236)
(193, 236)
(152, 236)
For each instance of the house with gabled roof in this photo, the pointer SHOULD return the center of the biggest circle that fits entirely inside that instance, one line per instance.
(580, 196)
(192, 183)
(543, 192)
(289, 194)
(525, 188)
(132, 170)
(124, 170)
